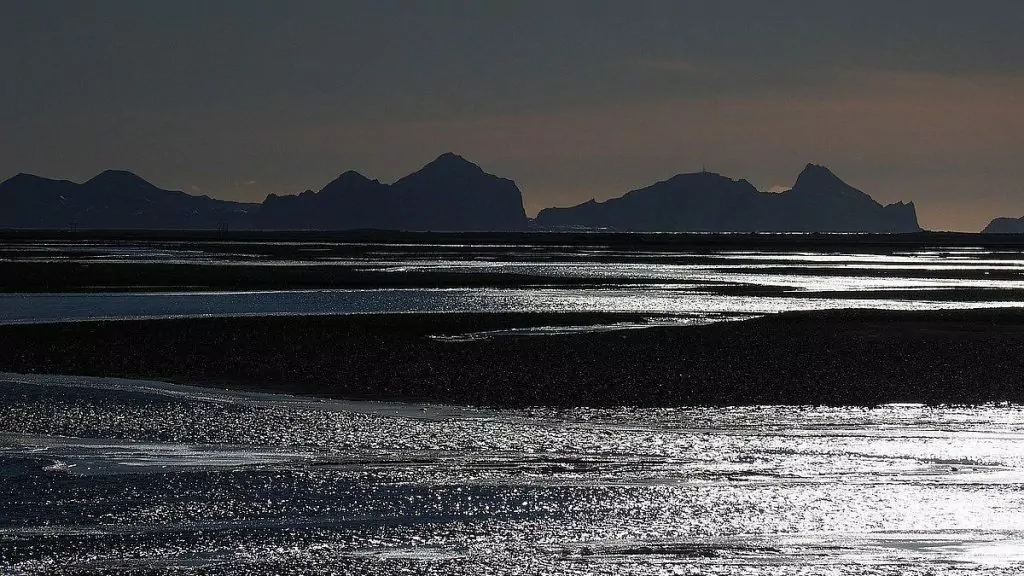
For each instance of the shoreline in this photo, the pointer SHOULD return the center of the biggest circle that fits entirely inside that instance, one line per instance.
(848, 357)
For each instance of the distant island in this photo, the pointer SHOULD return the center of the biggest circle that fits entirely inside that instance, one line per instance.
(1005, 226)
(454, 194)
(708, 202)
(114, 199)
(449, 193)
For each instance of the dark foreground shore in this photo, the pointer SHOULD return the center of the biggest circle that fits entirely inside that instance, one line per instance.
(840, 358)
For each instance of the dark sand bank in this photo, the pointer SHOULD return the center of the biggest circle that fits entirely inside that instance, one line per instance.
(847, 357)
(102, 277)
(57, 277)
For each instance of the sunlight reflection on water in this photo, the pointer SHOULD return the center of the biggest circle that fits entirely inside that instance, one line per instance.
(32, 308)
(712, 284)
(207, 482)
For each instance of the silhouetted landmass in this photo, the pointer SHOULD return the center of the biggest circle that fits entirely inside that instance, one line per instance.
(453, 194)
(837, 358)
(350, 201)
(112, 199)
(1005, 226)
(707, 202)
(450, 193)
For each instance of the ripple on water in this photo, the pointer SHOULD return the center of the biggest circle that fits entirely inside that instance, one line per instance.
(112, 475)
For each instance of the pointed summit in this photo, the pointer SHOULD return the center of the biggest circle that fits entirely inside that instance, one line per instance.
(351, 176)
(442, 171)
(451, 158)
(348, 180)
(452, 193)
(350, 184)
(122, 179)
(819, 180)
(815, 175)
(450, 163)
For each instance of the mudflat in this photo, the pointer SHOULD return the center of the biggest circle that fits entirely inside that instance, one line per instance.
(849, 357)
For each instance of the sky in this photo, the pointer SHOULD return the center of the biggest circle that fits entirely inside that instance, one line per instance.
(907, 100)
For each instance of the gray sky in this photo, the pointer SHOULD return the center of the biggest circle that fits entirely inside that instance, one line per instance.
(907, 100)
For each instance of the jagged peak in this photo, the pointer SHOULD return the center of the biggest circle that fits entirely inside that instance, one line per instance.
(818, 179)
(816, 174)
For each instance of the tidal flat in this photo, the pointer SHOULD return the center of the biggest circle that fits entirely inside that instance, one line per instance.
(861, 358)
(463, 404)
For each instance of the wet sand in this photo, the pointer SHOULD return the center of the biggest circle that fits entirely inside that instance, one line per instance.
(61, 277)
(836, 358)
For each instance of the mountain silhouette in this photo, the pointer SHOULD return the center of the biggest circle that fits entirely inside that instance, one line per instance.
(701, 202)
(452, 194)
(113, 199)
(449, 193)
(1005, 226)
(349, 201)
(821, 202)
(708, 202)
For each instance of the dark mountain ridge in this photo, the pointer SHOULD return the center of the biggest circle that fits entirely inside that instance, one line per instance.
(349, 201)
(453, 194)
(449, 193)
(708, 202)
(1005, 226)
(114, 199)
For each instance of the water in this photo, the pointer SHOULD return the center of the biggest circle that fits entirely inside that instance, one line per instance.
(115, 476)
(696, 285)
(683, 302)
(105, 476)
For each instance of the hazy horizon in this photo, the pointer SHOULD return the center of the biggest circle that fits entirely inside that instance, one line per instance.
(911, 102)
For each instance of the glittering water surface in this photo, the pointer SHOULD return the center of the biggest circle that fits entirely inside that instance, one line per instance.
(115, 476)
(710, 285)
(35, 308)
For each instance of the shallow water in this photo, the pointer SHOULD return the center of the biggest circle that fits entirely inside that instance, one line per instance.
(683, 301)
(697, 286)
(116, 476)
